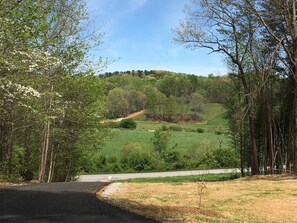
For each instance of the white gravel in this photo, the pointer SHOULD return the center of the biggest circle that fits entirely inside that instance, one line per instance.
(110, 189)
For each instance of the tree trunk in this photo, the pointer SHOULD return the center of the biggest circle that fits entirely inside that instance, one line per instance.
(45, 140)
(295, 121)
(253, 146)
(252, 133)
(51, 167)
(44, 153)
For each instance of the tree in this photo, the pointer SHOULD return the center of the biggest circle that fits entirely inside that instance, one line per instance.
(225, 27)
(278, 18)
(117, 103)
(197, 103)
(42, 45)
(161, 145)
(169, 109)
(155, 101)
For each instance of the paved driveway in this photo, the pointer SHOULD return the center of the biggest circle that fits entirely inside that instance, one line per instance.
(60, 202)
(125, 176)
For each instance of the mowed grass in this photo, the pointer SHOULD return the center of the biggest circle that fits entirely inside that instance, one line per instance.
(184, 179)
(214, 125)
(243, 200)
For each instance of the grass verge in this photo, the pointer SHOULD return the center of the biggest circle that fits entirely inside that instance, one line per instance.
(184, 179)
(253, 199)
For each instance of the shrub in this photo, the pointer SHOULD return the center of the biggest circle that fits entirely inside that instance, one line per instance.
(200, 130)
(133, 158)
(128, 124)
(226, 157)
(176, 128)
(27, 174)
(164, 128)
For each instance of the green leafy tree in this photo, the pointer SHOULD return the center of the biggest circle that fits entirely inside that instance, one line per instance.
(169, 109)
(165, 151)
(197, 103)
(117, 103)
(42, 45)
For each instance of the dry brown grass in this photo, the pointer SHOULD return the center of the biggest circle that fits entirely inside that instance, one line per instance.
(6, 184)
(268, 199)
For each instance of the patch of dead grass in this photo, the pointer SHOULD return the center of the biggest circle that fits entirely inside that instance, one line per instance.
(6, 184)
(258, 199)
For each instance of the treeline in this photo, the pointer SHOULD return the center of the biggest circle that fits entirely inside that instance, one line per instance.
(164, 95)
(49, 100)
(162, 156)
(258, 40)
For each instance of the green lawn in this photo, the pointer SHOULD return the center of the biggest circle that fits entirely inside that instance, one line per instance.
(214, 124)
(184, 179)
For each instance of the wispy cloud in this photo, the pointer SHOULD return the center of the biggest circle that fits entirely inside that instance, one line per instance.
(136, 4)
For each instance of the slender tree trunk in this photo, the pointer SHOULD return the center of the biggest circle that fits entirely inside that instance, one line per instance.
(9, 151)
(44, 153)
(253, 146)
(45, 141)
(295, 122)
(252, 133)
(51, 167)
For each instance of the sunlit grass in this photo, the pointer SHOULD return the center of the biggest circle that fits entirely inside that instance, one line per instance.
(184, 179)
(214, 126)
(261, 199)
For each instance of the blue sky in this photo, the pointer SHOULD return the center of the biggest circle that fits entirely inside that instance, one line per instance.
(138, 36)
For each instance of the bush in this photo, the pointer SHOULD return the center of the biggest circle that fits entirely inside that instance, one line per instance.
(133, 158)
(164, 128)
(176, 128)
(27, 174)
(128, 124)
(200, 130)
(226, 157)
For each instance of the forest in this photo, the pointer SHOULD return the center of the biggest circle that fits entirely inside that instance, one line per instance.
(55, 99)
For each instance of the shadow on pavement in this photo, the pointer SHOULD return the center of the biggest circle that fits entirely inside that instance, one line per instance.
(60, 203)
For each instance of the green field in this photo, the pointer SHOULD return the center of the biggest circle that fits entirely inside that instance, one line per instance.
(214, 125)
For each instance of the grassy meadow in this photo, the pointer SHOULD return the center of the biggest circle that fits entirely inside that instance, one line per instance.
(214, 133)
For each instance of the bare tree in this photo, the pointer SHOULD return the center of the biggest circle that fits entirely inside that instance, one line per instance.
(225, 27)
(278, 17)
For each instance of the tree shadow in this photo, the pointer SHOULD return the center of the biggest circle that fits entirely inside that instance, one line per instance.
(56, 203)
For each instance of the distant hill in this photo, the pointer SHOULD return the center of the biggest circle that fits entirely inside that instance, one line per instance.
(164, 95)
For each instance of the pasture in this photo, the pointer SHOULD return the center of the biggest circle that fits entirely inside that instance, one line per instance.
(214, 133)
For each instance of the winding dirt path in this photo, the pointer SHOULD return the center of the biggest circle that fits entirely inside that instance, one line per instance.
(133, 115)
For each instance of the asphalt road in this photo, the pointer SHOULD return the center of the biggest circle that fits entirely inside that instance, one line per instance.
(125, 176)
(60, 202)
